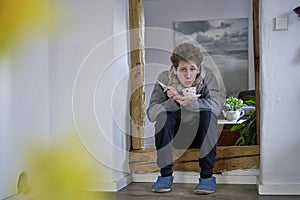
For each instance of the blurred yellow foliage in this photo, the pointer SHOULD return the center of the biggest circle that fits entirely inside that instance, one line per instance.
(63, 172)
(19, 19)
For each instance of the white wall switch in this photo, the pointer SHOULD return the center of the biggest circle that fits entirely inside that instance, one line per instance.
(281, 23)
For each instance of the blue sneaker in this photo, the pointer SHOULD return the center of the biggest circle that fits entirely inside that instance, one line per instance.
(206, 186)
(163, 184)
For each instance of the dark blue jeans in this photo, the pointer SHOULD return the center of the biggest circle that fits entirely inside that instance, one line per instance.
(171, 133)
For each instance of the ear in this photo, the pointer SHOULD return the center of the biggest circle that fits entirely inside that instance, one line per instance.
(174, 70)
(198, 70)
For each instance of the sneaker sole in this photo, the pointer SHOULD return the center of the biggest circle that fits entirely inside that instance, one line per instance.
(161, 190)
(203, 191)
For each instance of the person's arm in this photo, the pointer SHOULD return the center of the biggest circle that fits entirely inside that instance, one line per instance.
(210, 98)
(159, 102)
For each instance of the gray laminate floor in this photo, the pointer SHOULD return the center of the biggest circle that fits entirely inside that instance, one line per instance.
(142, 191)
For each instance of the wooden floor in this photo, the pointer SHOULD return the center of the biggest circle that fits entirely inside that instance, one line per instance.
(142, 191)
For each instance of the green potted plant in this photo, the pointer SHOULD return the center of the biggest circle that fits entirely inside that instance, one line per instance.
(233, 108)
(248, 131)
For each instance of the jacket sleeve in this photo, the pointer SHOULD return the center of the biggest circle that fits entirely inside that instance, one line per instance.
(210, 98)
(159, 102)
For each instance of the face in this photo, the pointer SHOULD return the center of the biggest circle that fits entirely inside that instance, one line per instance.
(187, 72)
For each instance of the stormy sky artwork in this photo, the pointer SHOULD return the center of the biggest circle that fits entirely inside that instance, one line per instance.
(226, 42)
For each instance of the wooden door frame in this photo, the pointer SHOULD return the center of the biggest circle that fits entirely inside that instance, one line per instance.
(228, 158)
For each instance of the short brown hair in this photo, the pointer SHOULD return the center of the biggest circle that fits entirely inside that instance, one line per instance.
(186, 52)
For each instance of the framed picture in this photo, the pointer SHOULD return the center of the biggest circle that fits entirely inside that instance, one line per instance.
(226, 42)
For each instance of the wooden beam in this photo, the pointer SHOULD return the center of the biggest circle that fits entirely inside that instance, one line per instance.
(137, 60)
(256, 64)
(228, 158)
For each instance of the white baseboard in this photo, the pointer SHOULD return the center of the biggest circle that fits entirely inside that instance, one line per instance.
(192, 177)
(110, 186)
(95, 186)
(283, 189)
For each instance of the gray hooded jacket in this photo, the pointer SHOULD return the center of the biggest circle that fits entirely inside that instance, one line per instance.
(210, 98)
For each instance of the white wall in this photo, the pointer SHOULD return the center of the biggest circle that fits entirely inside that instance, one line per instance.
(162, 14)
(89, 84)
(280, 86)
(5, 188)
(25, 101)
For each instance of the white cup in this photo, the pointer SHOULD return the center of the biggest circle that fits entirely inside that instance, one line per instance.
(189, 91)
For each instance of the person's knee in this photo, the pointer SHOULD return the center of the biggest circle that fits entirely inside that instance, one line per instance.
(207, 115)
(208, 118)
(164, 118)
